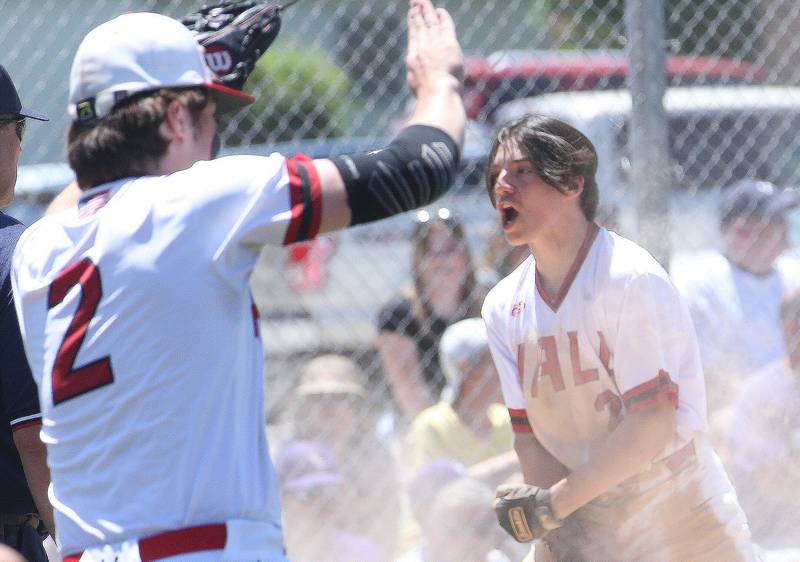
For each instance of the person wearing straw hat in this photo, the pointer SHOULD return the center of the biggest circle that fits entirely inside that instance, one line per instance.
(332, 405)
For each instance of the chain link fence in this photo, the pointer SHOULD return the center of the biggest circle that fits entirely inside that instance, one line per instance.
(334, 82)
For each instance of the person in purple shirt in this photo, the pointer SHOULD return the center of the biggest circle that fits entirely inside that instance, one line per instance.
(311, 493)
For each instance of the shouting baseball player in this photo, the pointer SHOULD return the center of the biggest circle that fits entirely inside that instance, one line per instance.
(600, 372)
(134, 304)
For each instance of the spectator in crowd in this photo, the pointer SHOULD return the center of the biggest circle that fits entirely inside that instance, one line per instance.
(313, 506)
(24, 476)
(764, 441)
(444, 290)
(427, 481)
(420, 491)
(331, 407)
(458, 525)
(469, 424)
(733, 296)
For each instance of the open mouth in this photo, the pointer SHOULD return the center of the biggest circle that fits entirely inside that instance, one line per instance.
(508, 215)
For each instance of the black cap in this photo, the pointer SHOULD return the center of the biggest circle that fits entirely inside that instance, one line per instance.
(754, 197)
(9, 99)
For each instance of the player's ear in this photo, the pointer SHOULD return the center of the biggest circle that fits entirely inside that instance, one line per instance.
(176, 125)
(574, 185)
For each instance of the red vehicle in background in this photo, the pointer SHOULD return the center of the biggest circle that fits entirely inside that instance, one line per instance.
(490, 81)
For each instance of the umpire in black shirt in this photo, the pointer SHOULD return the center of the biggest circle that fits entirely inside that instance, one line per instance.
(25, 511)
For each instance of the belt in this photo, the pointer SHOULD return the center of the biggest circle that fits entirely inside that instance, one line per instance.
(13, 519)
(175, 542)
(675, 461)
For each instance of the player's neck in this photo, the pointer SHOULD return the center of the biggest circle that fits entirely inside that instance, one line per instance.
(555, 253)
(172, 163)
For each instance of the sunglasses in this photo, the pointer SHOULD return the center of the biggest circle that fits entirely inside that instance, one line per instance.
(19, 126)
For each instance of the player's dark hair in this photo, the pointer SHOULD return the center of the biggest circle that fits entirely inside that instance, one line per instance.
(128, 142)
(559, 151)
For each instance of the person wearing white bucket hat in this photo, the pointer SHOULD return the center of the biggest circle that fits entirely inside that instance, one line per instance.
(135, 306)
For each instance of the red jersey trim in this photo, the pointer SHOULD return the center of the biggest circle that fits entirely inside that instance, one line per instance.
(650, 393)
(26, 423)
(519, 421)
(580, 257)
(305, 200)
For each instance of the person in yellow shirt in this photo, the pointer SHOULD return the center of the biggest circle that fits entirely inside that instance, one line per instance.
(469, 424)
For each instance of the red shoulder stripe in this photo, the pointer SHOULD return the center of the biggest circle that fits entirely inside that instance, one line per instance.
(649, 393)
(519, 421)
(305, 199)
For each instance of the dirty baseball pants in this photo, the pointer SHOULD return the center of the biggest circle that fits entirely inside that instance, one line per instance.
(682, 508)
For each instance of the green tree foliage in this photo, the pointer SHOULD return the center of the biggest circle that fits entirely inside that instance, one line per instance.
(705, 27)
(301, 94)
(372, 51)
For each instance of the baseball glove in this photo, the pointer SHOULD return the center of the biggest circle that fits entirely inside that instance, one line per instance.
(235, 35)
(524, 511)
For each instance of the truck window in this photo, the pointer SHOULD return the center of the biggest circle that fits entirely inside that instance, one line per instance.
(716, 149)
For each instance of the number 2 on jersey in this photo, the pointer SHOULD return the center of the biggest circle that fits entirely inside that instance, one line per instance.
(67, 380)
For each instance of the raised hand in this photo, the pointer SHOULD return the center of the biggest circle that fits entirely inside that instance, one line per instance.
(434, 58)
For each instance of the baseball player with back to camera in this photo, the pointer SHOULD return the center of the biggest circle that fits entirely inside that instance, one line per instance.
(600, 371)
(134, 304)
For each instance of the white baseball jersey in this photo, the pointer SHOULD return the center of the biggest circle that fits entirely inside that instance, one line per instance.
(613, 340)
(615, 337)
(143, 338)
